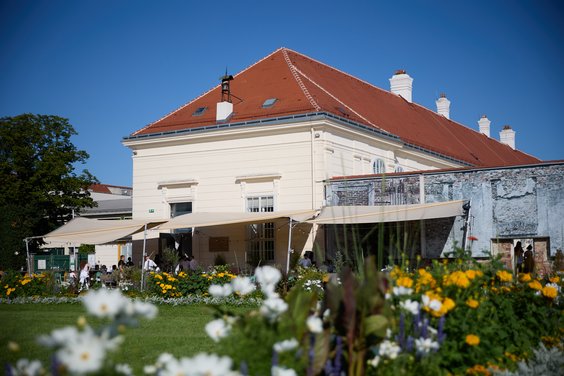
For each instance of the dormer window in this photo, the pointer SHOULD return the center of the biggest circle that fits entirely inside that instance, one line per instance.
(199, 111)
(269, 102)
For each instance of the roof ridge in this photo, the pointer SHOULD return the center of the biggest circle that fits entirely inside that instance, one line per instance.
(293, 69)
(335, 98)
(204, 94)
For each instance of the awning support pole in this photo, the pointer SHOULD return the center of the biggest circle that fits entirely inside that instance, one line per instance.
(289, 246)
(27, 255)
(143, 258)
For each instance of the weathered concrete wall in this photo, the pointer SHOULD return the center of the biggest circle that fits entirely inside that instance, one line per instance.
(525, 202)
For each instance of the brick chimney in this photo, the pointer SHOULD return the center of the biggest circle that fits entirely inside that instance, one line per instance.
(401, 84)
(507, 136)
(443, 106)
(484, 124)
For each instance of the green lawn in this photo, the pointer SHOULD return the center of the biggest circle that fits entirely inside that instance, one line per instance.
(178, 330)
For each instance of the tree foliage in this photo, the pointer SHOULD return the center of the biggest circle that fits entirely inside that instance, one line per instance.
(39, 189)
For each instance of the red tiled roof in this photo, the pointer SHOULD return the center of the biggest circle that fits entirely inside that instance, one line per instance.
(104, 188)
(303, 85)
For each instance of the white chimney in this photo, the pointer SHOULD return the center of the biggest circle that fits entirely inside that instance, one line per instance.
(484, 124)
(443, 106)
(224, 110)
(507, 136)
(401, 84)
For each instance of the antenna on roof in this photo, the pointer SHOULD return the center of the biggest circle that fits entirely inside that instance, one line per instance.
(225, 89)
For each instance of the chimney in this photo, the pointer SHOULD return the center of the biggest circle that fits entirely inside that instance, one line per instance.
(401, 84)
(443, 106)
(224, 108)
(484, 124)
(507, 136)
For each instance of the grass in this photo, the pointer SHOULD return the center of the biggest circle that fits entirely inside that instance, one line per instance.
(178, 330)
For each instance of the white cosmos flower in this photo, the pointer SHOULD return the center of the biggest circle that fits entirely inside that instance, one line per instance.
(84, 355)
(220, 291)
(142, 309)
(286, 345)
(389, 349)
(268, 277)
(242, 285)
(374, 361)
(410, 306)
(433, 304)
(401, 290)
(208, 365)
(273, 307)
(425, 345)
(314, 324)
(124, 369)
(59, 337)
(280, 371)
(217, 329)
(105, 303)
(27, 367)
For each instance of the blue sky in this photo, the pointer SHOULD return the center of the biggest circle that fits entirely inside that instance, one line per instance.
(112, 67)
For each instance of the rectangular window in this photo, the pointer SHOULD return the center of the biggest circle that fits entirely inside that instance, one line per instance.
(261, 235)
(180, 208)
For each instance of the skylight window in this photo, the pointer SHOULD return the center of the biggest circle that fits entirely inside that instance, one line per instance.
(269, 102)
(199, 111)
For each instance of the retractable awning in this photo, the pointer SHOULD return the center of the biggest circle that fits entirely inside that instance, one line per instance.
(205, 219)
(334, 215)
(82, 230)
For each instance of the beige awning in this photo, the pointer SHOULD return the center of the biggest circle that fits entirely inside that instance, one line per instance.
(82, 230)
(225, 218)
(333, 215)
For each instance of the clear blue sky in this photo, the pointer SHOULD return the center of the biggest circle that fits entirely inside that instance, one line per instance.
(113, 66)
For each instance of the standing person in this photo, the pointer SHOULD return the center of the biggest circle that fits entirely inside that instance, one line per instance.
(193, 263)
(149, 265)
(183, 265)
(84, 277)
(129, 262)
(121, 262)
(518, 255)
(529, 260)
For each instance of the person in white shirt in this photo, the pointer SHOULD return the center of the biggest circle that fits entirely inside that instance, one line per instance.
(149, 265)
(84, 277)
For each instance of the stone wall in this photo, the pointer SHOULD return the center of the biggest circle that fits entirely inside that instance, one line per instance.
(510, 204)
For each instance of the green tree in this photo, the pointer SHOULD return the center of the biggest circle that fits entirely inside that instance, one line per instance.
(39, 188)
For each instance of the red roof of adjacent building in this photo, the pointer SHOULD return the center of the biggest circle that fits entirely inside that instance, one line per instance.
(303, 85)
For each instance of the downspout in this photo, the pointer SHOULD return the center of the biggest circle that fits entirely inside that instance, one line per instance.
(312, 169)
(466, 207)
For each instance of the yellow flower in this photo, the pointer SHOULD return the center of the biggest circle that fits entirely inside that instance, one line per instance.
(504, 276)
(471, 274)
(405, 282)
(472, 340)
(448, 304)
(457, 278)
(535, 285)
(425, 278)
(472, 303)
(554, 279)
(478, 369)
(395, 273)
(325, 278)
(550, 292)
(525, 277)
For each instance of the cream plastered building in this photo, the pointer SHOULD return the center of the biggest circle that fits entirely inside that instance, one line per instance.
(266, 139)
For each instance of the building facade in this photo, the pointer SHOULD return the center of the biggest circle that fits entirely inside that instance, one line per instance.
(268, 138)
(506, 205)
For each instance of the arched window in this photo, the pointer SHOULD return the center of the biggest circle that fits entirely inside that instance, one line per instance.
(378, 166)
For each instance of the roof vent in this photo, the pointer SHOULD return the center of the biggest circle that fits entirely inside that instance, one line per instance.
(507, 136)
(401, 84)
(484, 124)
(443, 106)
